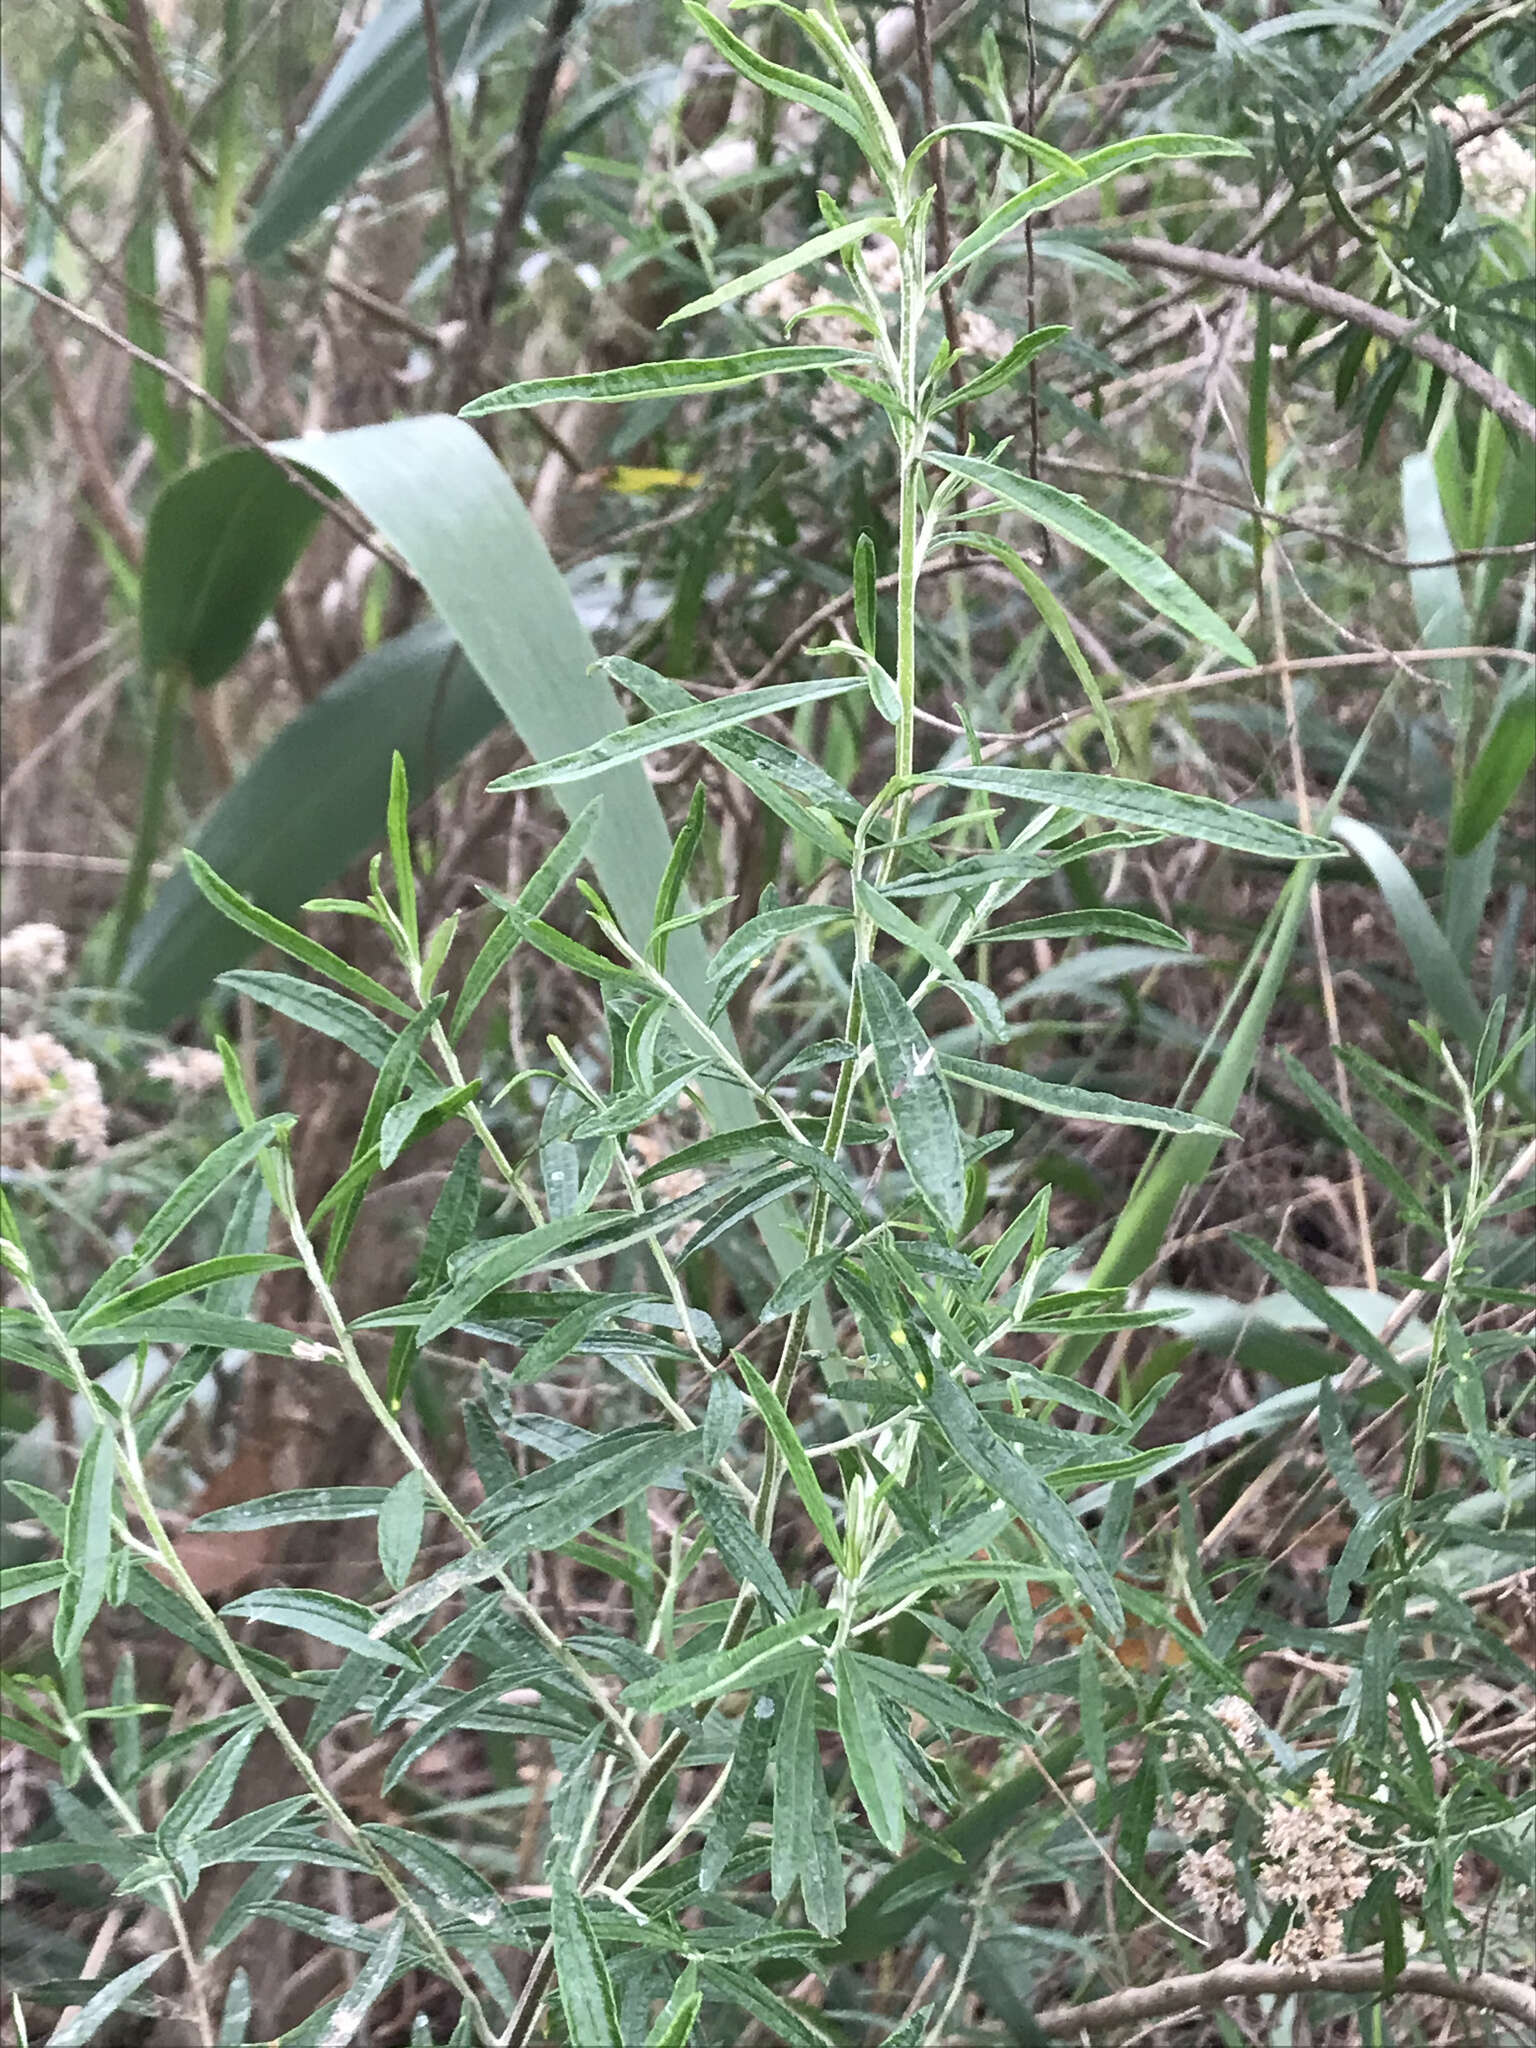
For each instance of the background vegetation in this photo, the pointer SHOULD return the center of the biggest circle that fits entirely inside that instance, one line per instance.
(1215, 1724)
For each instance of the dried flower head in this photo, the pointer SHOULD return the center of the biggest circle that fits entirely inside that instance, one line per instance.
(33, 957)
(1314, 1864)
(191, 1067)
(1210, 1878)
(58, 1097)
(1498, 176)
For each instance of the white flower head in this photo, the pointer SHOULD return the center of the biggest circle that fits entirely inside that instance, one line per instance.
(33, 957)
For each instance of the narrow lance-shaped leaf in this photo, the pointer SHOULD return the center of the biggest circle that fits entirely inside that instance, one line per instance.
(1092, 1105)
(743, 1788)
(1148, 574)
(1057, 1530)
(685, 378)
(581, 1975)
(813, 251)
(674, 728)
(870, 1750)
(798, 1465)
(1142, 804)
(1092, 169)
(922, 1114)
(87, 1543)
(804, 1841)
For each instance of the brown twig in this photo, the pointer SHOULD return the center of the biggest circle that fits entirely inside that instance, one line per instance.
(462, 294)
(170, 145)
(523, 157)
(941, 234)
(1068, 64)
(1140, 2004)
(96, 479)
(1372, 657)
(1501, 399)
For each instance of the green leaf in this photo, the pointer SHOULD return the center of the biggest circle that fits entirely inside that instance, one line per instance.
(1158, 1188)
(456, 1883)
(379, 87)
(1054, 618)
(683, 378)
(139, 1301)
(1147, 573)
(751, 943)
(669, 893)
(1497, 775)
(741, 1550)
(673, 729)
(536, 894)
(797, 1464)
(673, 2025)
(1102, 922)
(402, 1517)
(804, 1838)
(366, 1988)
(272, 931)
(1323, 1303)
(1439, 973)
(324, 1010)
(300, 1504)
(1142, 804)
(26, 1581)
(345, 1623)
(1052, 1523)
(813, 251)
(795, 2026)
(399, 831)
(768, 1653)
(1002, 373)
(928, 945)
(743, 1788)
(922, 1114)
(87, 1543)
(200, 1802)
(1090, 1104)
(1092, 169)
(864, 593)
(218, 549)
(84, 2028)
(581, 1975)
(177, 1210)
(946, 1706)
(870, 1750)
(799, 87)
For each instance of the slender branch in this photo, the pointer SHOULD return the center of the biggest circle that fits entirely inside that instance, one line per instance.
(169, 145)
(1501, 399)
(523, 158)
(463, 283)
(943, 241)
(1139, 2004)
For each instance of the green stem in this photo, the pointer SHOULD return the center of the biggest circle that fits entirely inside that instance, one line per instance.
(168, 686)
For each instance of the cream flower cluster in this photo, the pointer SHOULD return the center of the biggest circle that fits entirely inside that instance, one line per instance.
(1498, 176)
(189, 1067)
(33, 957)
(58, 1096)
(1308, 1858)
